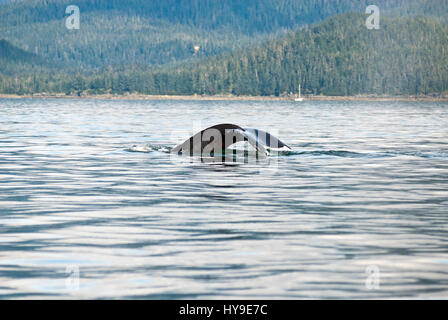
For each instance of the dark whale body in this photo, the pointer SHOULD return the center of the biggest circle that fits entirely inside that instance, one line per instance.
(216, 139)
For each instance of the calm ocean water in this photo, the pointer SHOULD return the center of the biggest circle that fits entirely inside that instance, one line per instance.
(91, 205)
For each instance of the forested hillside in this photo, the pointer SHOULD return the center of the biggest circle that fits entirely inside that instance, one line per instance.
(338, 57)
(153, 32)
(13, 59)
(263, 47)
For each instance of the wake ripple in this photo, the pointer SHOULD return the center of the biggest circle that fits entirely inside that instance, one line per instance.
(148, 148)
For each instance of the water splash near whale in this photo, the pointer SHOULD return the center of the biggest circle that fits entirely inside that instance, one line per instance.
(148, 148)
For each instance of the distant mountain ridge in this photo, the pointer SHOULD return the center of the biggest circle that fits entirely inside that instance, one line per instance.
(224, 47)
(152, 32)
(338, 57)
(407, 56)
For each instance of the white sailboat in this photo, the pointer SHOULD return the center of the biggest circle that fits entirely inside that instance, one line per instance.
(299, 98)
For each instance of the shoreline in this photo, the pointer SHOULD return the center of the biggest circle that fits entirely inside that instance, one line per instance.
(225, 97)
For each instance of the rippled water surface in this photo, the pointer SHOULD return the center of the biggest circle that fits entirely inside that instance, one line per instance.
(359, 209)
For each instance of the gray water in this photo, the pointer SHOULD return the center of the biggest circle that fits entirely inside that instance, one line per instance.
(91, 205)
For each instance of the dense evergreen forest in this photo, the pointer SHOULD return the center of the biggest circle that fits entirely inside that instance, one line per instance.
(242, 47)
(11, 55)
(154, 32)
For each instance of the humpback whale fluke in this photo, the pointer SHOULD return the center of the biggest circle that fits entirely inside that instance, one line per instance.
(218, 138)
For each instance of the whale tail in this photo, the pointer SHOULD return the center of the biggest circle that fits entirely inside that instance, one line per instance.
(218, 138)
